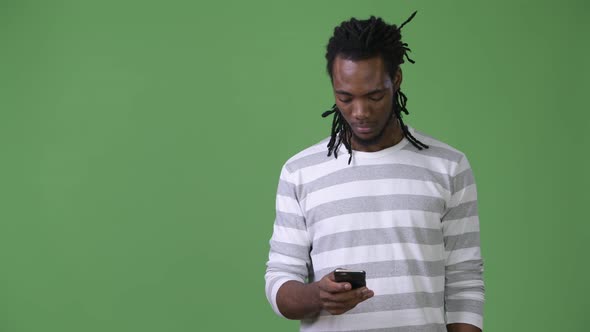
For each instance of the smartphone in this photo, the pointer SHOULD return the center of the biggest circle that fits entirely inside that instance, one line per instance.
(356, 278)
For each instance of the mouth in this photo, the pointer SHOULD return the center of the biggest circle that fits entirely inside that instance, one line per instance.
(363, 128)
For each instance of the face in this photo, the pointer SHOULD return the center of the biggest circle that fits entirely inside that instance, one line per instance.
(364, 94)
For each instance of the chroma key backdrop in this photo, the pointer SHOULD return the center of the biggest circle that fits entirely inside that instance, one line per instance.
(141, 144)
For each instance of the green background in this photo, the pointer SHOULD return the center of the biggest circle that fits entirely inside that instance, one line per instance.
(141, 144)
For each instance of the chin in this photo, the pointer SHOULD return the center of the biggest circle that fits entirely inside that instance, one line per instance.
(366, 139)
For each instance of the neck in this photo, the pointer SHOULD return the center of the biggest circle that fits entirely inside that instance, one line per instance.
(391, 135)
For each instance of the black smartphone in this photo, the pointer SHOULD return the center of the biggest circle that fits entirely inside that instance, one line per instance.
(356, 278)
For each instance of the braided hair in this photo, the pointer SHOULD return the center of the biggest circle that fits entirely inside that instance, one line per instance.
(364, 39)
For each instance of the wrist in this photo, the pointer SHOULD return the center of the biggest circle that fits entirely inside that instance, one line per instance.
(297, 300)
(314, 290)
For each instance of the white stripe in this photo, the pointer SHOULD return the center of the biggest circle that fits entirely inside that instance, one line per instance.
(374, 188)
(461, 255)
(432, 141)
(318, 147)
(288, 205)
(438, 164)
(273, 295)
(290, 235)
(270, 277)
(275, 257)
(463, 165)
(460, 226)
(467, 296)
(466, 283)
(372, 220)
(465, 317)
(376, 320)
(320, 170)
(377, 253)
(285, 175)
(406, 284)
(466, 194)
(403, 157)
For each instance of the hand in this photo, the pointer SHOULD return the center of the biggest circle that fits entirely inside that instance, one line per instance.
(339, 297)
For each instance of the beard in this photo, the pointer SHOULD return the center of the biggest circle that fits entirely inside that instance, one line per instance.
(375, 139)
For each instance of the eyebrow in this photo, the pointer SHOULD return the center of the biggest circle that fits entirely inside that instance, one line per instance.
(372, 92)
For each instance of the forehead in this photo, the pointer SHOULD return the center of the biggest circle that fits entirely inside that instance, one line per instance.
(357, 76)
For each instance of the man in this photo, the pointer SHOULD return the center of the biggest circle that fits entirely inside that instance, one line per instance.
(402, 207)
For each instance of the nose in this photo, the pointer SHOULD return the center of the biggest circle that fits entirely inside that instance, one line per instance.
(360, 110)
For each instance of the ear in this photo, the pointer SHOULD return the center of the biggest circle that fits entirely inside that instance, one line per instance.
(397, 79)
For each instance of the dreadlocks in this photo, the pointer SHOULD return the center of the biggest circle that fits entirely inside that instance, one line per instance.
(364, 39)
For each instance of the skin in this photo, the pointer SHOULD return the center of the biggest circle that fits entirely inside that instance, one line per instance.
(297, 300)
(460, 327)
(364, 93)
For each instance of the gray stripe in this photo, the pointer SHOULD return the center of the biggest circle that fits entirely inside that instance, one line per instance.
(286, 189)
(373, 172)
(307, 161)
(412, 328)
(394, 268)
(462, 180)
(461, 241)
(418, 133)
(300, 270)
(375, 204)
(463, 276)
(471, 265)
(290, 220)
(463, 210)
(398, 302)
(437, 152)
(450, 290)
(376, 237)
(472, 306)
(421, 136)
(289, 249)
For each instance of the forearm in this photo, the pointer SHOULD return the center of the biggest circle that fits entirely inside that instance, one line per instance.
(464, 286)
(297, 300)
(460, 327)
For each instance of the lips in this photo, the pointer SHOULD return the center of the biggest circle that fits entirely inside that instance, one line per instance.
(363, 128)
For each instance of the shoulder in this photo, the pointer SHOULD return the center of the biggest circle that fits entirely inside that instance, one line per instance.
(439, 156)
(436, 148)
(313, 155)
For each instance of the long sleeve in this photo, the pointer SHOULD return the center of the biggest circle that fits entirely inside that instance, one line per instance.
(464, 286)
(289, 257)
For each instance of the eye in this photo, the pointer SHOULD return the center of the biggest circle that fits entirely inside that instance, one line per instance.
(376, 98)
(345, 101)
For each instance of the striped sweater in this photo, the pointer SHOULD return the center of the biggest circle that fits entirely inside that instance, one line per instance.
(407, 217)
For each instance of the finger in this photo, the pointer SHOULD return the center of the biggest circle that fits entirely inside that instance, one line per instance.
(335, 298)
(343, 286)
(366, 294)
(330, 276)
(328, 284)
(338, 286)
(352, 296)
(339, 303)
(341, 306)
(355, 296)
(361, 294)
(337, 308)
